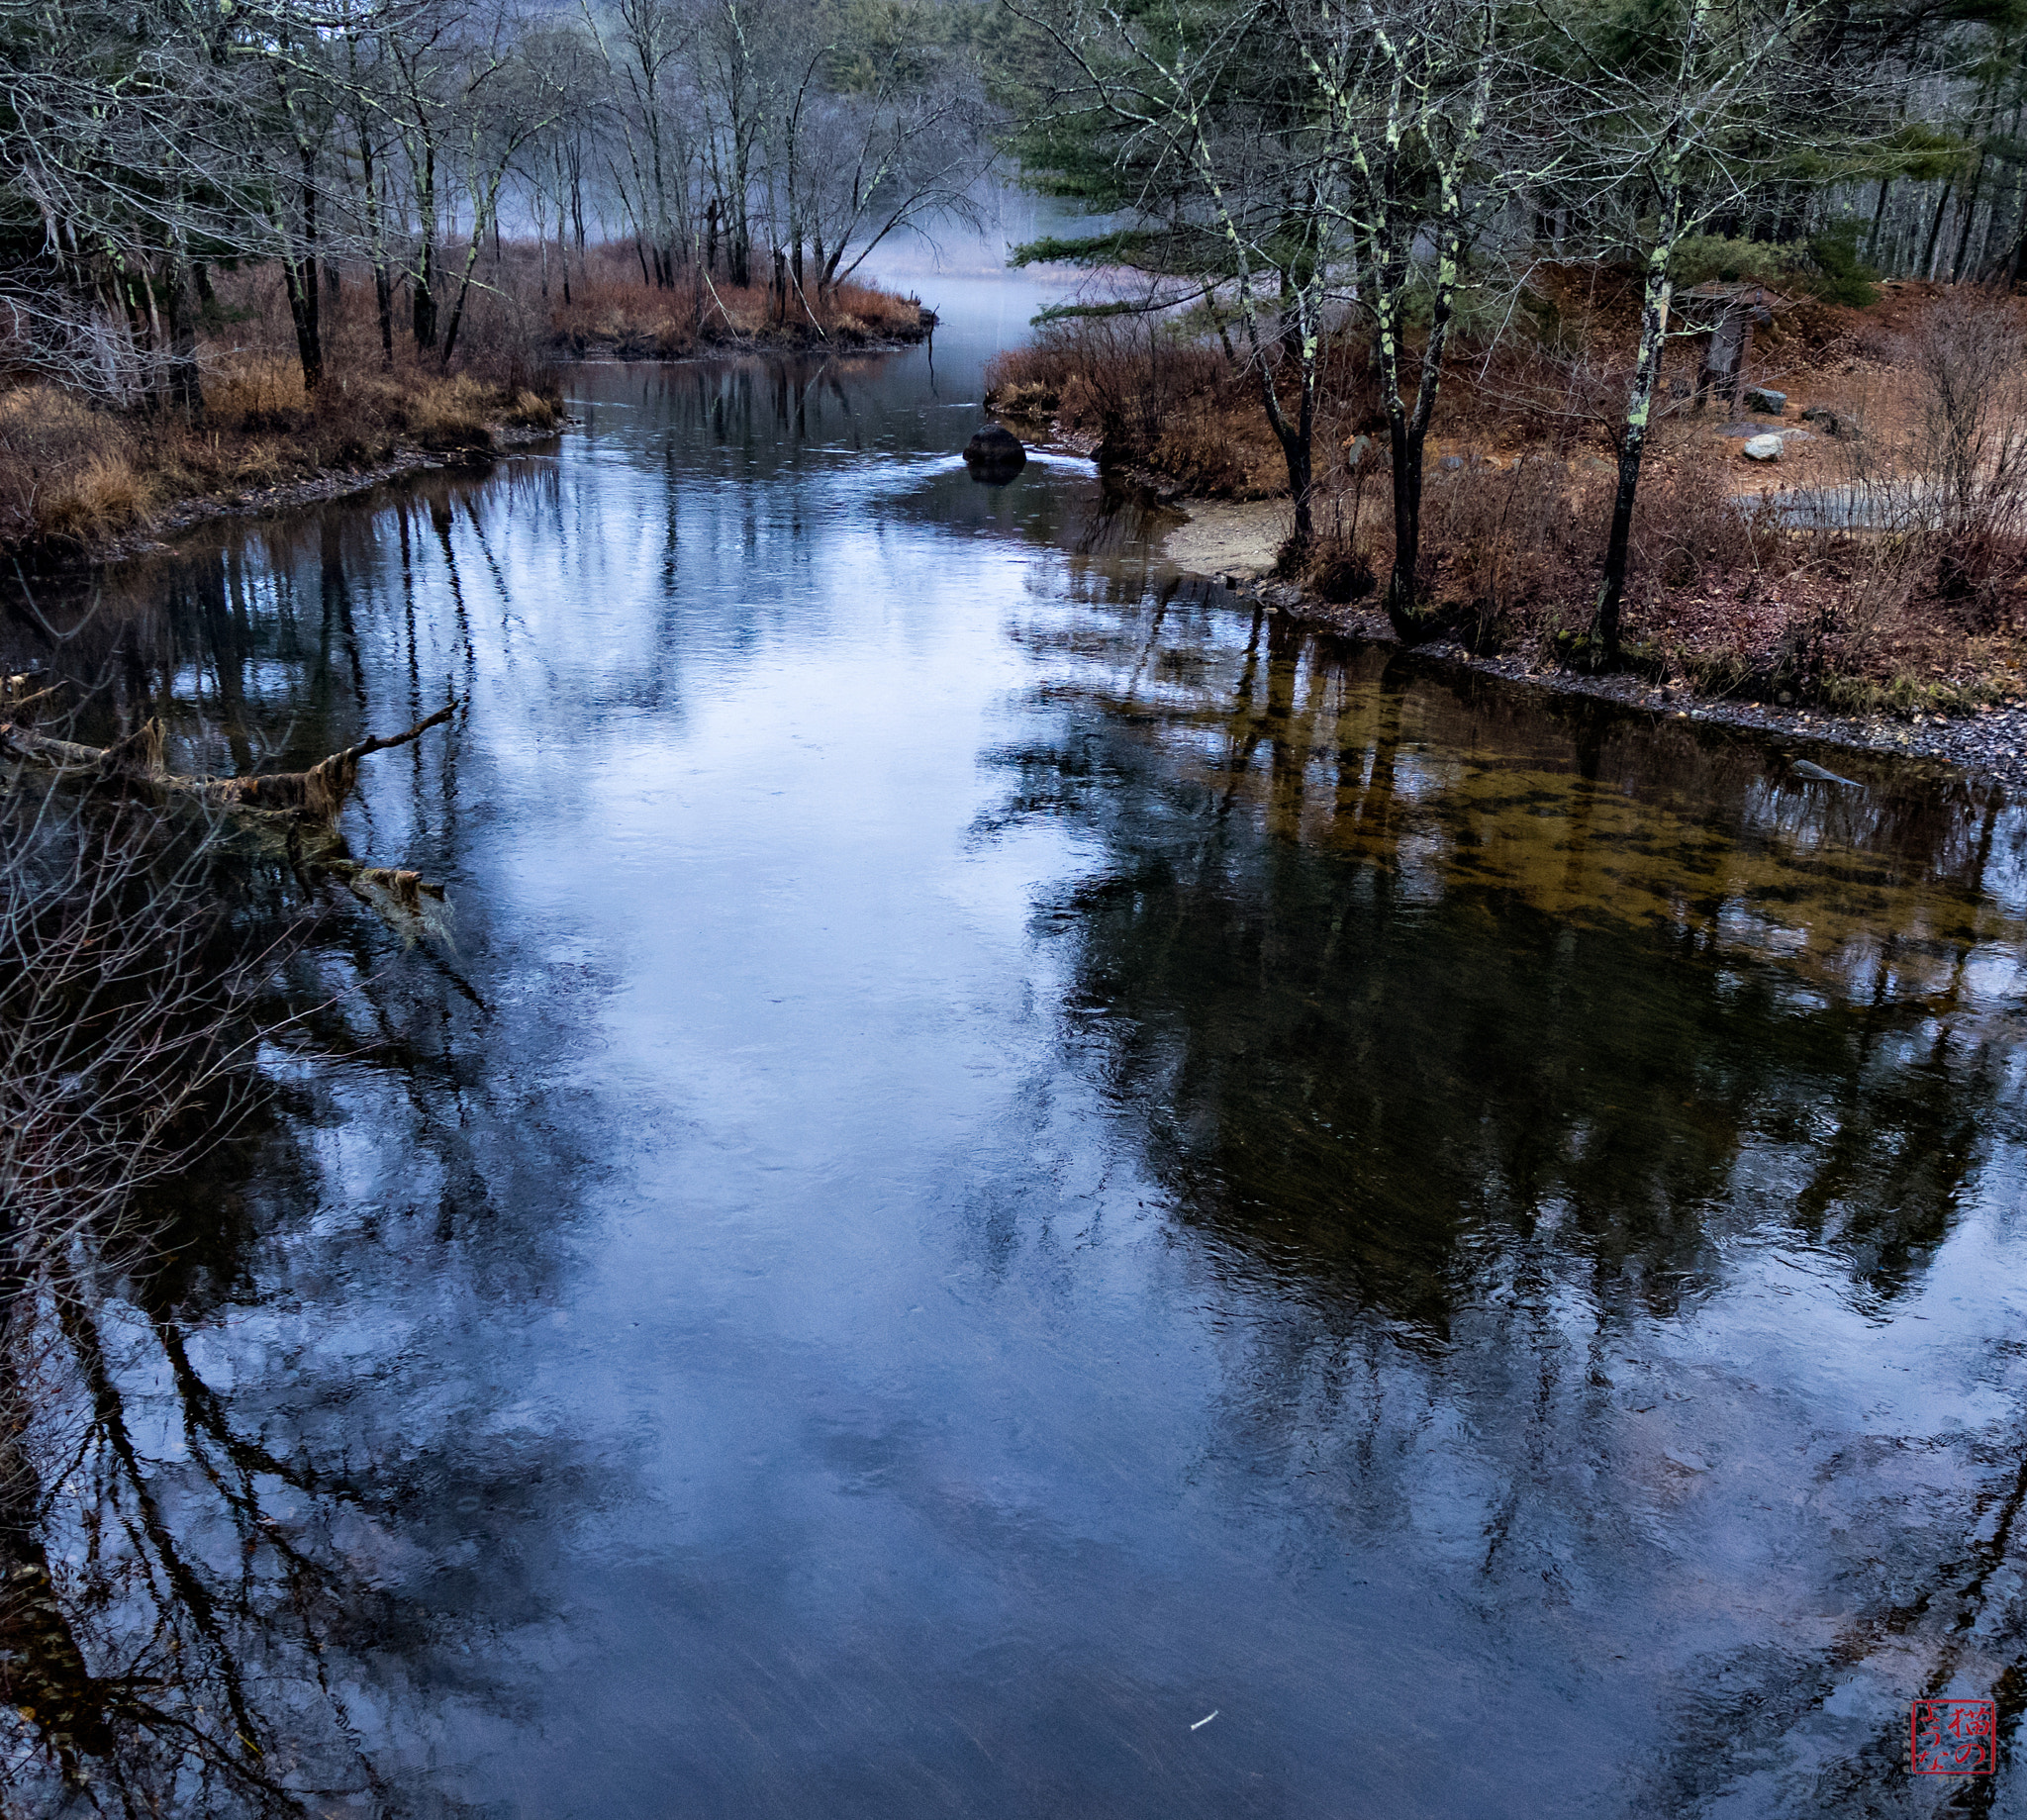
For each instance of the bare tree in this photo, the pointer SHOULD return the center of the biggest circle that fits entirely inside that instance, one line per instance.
(1406, 92)
(1678, 129)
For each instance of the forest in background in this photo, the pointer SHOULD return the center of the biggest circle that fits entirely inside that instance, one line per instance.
(1465, 269)
(1349, 246)
(243, 243)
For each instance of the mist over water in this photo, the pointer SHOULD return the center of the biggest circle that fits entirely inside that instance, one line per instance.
(1007, 1154)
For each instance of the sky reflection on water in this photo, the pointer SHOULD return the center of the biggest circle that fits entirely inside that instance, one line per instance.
(1008, 1155)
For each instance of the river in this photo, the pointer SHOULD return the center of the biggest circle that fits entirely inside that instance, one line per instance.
(1020, 1192)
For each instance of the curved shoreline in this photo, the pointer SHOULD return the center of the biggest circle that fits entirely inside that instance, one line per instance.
(161, 531)
(1235, 547)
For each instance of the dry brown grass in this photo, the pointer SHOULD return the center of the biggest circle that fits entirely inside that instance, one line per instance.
(612, 312)
(70, 475)
(1520, 472)
(65, 470)
(1143, 399)
(73, 474)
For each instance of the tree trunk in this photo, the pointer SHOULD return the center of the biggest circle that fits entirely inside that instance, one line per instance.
(383, 305)
(299, 281)
(562, 251)
(383, 285)
(422, 290)
(1935, 231)
(1871, 239)
(1605, 620)
(2016, 257)
(486, 209)
(422, 303)
(1406, 448)
(318, 793)
(185, 381)
(1970, 216)
(1298, 451)
(1657, 294)
(1407, 439)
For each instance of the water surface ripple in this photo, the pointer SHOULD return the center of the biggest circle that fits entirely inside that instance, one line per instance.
(1008, 1154)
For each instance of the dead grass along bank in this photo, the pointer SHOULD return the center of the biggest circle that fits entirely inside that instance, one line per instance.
(1733, 591)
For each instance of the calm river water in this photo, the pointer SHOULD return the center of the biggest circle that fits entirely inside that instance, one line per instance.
(1004, 1156)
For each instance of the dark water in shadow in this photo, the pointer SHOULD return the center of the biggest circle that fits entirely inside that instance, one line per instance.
(1005, 1156)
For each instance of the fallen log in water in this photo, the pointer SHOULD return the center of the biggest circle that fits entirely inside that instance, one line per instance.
(296, 808)
(316, 794)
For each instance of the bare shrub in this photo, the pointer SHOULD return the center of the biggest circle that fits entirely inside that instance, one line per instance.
(1691, 529)
(1553, 398)
(121, 1004)
(1970, 360)
(1970, 357)
(1511, 546)
(613, 309)
(1149, 391)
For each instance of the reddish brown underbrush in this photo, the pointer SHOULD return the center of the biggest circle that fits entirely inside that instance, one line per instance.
(1911, 593)
(614, 311)
(73, 471)
(1145, 397)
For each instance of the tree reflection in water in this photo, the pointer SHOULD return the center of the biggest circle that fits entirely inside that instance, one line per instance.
(1498, 1046)
(208, 1610)
(224, 1584)
(1494, 1070)
(1398, 983)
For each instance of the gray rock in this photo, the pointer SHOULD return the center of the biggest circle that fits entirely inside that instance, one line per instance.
(1762, 448)
(995, 453)
(1744, 429)
(1764, 398)
(1453, 461)
(1830, 423)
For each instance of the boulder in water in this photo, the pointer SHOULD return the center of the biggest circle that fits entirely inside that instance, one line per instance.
(994, 454)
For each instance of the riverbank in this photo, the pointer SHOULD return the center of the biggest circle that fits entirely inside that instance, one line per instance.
(1850, 547)
(341, 483)
(614, 321)
(1237, 543)
(80, 484)
(87, 478)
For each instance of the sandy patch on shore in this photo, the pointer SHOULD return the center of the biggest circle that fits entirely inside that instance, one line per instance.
(1225, 536)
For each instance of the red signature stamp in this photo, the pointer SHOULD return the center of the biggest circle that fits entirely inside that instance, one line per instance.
(1954, 1738)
